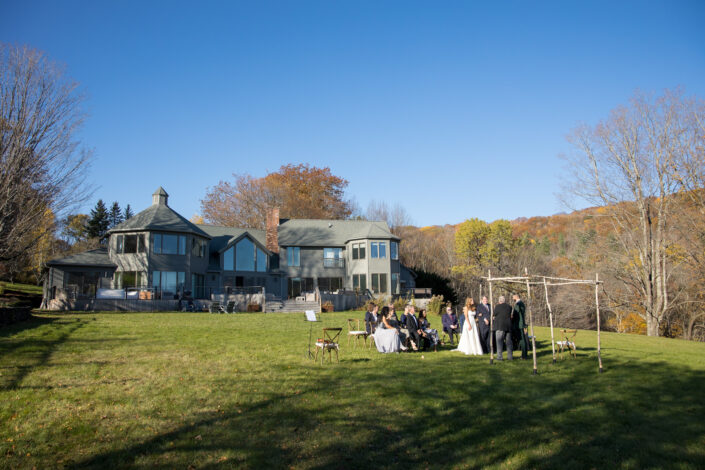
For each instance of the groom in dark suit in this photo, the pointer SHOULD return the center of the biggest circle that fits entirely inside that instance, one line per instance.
(502, 326)
(412, 324)
(519, 326)
(483, 324)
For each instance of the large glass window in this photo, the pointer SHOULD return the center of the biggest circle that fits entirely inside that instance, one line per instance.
(245, 255)
(333, 258)
(261, 261)
(382, 250)
(379, 283)
(374, 250)
(394, 250)
(130, 243)
(229, 259)
(168, 244)
(125, 279)
(293, 256)
(169, 282)
(330, 284)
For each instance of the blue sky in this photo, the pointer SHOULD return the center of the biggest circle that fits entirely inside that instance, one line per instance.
(452, 109)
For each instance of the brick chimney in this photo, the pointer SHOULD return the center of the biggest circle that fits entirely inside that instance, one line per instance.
(273, 230)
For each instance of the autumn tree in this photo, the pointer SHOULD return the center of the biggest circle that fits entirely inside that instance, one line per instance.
(41, 166)
(300, 191)
(74, 228)
(626, 164)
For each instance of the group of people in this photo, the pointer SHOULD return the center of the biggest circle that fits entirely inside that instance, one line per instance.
(391, 332)
(504, 325)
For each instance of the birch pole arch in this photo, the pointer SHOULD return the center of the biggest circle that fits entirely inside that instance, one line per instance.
(546, 281)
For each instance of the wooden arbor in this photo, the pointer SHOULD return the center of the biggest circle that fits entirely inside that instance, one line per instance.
(547, 281)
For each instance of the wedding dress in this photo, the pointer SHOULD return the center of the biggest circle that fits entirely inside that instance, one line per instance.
(469, 342)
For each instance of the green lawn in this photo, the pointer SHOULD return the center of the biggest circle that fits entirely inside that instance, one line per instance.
(235, 391)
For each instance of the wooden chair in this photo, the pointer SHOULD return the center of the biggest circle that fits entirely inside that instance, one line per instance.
(568, 342)
(329, 343)
(216, 307)
(354, 331)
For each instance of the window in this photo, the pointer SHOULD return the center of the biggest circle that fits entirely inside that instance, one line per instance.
(379, 283)
(198, 247)
(293, 256)
(330, 284)
(394, 250)
(130, 244)
(125, 279)
(378, 250)
(169, 282)
(245, 255)
(333, 258)
(360, 282)
(358, 251)
(167, 244)
(395, 283)
(198, 286)
(229, 259)
(261, 261)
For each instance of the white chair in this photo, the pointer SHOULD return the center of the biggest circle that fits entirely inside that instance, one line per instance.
(355, 332)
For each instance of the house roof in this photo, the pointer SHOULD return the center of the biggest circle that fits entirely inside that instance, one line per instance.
(221, 236)
(159, 217)
(321, 232)
(97, 257)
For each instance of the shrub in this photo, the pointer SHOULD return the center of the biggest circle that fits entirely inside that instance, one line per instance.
(328, 307)
(435, 305)
(400, 304)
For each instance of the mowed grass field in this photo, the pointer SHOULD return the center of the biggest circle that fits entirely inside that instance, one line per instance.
(174, 390)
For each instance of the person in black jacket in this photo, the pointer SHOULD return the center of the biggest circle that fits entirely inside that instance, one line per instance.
(483, 324)
(371, 319)
(502, 328)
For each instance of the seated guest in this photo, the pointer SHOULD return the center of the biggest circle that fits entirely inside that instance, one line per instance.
(450, 324)
(371, 319)
(386, 335)
(429, 334)
(412, 325)
(393, 312)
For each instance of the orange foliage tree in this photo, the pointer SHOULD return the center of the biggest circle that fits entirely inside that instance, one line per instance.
(300, 191)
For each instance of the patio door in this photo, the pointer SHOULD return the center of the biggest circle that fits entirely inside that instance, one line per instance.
(294, 287)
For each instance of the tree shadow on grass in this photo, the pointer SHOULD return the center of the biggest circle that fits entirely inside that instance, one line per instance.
(36, 350)
(455, 413)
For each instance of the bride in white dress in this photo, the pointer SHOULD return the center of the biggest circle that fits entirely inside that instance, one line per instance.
(469, 342)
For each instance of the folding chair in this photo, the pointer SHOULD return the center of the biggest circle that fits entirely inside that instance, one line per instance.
(354, 331)
(568, 342)
(329, 342)
(215, 307)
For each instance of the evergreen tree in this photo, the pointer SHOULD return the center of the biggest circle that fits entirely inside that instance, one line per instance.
(100, 220)
(128, 212)
(115, 215)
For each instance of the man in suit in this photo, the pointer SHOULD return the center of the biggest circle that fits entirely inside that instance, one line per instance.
(502, 327)
(450, 324)
(412, 324)
(483, 324)
(371, 319)
(520, 327)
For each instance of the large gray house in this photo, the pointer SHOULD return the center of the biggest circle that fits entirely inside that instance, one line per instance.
(166, 255)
